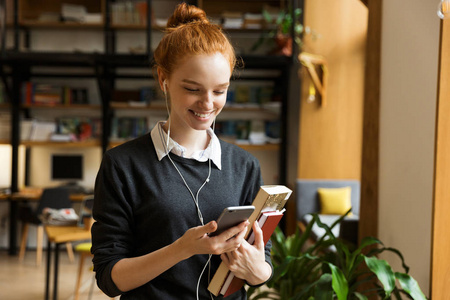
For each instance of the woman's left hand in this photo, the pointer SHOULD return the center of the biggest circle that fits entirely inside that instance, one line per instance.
(248, 261)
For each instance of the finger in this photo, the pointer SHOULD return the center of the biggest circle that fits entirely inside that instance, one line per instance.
(208, 228)
(259, 238)
(236, 230)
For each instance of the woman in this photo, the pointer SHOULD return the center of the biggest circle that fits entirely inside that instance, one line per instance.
(156, 197)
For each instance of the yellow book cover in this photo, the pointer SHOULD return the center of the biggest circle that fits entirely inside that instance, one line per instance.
(269, 198)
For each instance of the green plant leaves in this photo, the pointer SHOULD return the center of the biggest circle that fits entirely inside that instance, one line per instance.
(410, 285)
(339, 282)
(305, 271)
(384, 273)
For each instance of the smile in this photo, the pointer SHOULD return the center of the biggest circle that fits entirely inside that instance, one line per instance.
(202, 115)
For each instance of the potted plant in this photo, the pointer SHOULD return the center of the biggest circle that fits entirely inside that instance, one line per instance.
(281, 35)
(333, 269)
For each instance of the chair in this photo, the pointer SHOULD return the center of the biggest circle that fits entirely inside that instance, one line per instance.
(85, 251)
(308, 202)
(56, 198)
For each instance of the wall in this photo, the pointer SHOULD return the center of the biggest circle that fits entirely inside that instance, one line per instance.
(40, 162)
(330, 138)
(441, 222)
(409, 60)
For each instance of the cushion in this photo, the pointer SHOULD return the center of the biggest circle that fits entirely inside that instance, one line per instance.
(334, 201)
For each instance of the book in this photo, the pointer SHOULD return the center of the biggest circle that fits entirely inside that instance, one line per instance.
(268, 221)
(269, 198)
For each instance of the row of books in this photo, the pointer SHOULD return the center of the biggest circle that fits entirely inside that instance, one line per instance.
(240, 20)
(129, 13)
(5, 125)
(51, 94)
(249, 94)
(255, 132)
(124, 128)
(140, 97)
(66, 129)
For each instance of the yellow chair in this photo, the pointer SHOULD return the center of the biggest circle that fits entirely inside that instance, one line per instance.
(85, 251)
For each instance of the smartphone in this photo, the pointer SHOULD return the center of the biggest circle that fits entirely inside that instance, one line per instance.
(232, 216)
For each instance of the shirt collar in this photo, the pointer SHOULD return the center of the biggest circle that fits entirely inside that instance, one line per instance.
(213, 151)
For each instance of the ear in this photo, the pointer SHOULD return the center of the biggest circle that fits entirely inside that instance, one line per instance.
(161, 78)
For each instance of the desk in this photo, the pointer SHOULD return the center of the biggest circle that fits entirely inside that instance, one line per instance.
(58, 235)
(31, 195)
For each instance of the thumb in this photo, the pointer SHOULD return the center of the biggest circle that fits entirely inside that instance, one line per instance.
(210, 227)
(259, 238)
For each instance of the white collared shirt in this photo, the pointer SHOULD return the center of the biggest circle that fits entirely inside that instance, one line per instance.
(213, 151)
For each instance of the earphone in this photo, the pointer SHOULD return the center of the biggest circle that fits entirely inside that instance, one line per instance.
(195, 198)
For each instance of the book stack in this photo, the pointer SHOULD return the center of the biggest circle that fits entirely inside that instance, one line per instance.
(129, 13)
(124, 128)
(269, 204)
(51, 94)
(232, 20)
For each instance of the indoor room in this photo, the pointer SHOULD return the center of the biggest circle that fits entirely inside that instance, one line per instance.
(342, 104)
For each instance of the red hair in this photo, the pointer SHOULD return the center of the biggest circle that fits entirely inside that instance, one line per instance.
(189, 32)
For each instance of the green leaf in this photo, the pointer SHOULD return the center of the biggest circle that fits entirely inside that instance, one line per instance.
(360, 296)
(323, 289)
(339, 283)
(384, 273)
(410, 285)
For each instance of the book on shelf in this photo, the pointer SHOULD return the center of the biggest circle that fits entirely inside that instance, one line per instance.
(268, 221)
(269, 198)
(51, 94)
(124, 128)
(42, 130)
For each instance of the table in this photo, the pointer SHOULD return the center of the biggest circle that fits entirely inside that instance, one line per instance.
(27, 194)
(58, 235)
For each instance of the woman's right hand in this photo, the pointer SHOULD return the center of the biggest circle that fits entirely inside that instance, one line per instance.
(197, 241)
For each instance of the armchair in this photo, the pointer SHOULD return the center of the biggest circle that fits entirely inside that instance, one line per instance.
(308, 202)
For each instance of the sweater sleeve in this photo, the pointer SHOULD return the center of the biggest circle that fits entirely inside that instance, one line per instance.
(112, 232)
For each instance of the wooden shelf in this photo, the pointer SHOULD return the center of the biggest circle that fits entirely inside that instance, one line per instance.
(61, 25)
(265, 147)
(62, 106)
(5, 142)
(138, 107)
(161, 106)
(247, 147)
(89, 143)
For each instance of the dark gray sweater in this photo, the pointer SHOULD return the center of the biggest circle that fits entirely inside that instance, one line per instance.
(141, 205)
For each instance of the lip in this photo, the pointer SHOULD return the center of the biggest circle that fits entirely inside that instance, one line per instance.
(202, 115)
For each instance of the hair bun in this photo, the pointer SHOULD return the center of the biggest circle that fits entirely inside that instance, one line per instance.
(185, 14)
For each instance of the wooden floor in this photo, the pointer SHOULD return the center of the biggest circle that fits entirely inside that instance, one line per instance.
(25, 281)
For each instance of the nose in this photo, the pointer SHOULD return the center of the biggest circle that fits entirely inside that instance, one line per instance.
(207, 101)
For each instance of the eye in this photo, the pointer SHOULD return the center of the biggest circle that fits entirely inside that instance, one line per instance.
(219, 92)
(191, 90)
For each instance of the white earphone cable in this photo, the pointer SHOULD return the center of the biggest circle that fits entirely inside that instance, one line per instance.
(195, 198)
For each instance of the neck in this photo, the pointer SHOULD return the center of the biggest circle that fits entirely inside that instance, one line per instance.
(193, 140)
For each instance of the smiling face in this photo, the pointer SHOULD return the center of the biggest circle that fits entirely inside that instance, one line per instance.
(197, 89)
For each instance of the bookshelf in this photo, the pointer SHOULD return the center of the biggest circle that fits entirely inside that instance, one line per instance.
(106, 68)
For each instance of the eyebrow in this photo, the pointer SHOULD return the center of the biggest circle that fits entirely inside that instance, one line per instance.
(226, 84)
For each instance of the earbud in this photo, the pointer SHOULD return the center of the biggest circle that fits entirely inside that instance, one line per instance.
(164, 85)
